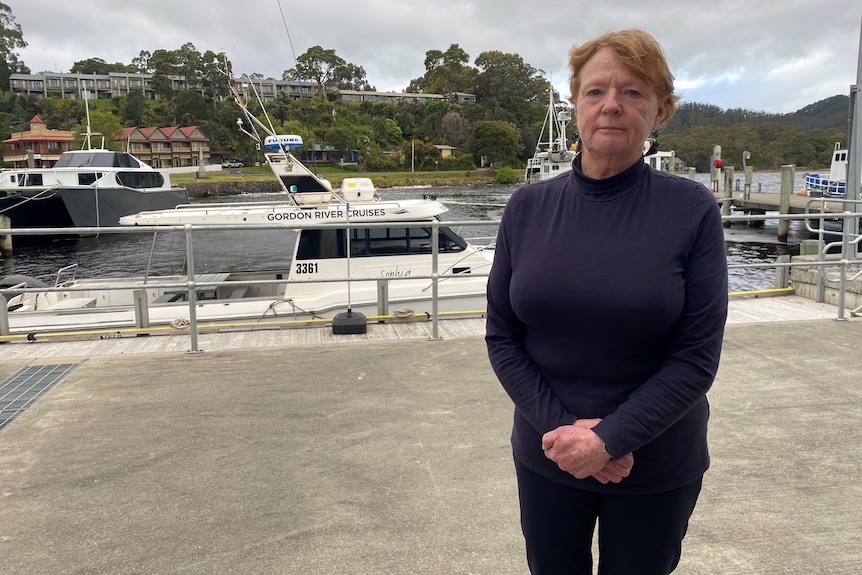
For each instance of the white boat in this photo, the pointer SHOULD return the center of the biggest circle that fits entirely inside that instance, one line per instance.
(554, 155)
(833, 186)
(398, 255)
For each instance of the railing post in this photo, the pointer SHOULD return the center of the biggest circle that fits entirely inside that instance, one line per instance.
(191, 288)
(4, 316)
(845, 262)
(435, 280)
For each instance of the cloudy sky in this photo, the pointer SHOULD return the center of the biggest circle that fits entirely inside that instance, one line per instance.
(760, 55)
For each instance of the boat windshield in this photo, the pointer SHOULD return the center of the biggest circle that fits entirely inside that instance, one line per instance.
(97, 159)
(370, 242)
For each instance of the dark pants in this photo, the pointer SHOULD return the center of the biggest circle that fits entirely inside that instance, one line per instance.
(638, 534)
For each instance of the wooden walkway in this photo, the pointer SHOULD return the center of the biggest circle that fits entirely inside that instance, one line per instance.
(761, 202)
(747, 310)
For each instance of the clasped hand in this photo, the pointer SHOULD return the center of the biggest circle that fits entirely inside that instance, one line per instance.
(576, 449)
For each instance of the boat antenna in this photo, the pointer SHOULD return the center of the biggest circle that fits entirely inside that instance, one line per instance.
(295, 65)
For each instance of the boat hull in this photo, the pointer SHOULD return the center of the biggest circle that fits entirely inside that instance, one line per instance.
(84, 206)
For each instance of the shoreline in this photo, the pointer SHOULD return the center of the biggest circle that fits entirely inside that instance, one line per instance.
(256, 183)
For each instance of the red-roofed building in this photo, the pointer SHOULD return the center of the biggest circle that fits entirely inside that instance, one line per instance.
(171, 147)
(37, 148)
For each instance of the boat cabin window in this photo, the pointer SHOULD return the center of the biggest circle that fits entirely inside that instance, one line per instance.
(31, 180)
(370, 242)
(87, 178)
(141, 180)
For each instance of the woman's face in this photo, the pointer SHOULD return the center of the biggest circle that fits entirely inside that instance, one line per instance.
(616, 112)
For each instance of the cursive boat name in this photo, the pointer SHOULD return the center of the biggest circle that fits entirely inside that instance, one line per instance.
(398, 272)
(323, 215)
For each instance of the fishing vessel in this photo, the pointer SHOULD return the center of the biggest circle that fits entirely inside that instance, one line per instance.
(835, 185)
(553, 156)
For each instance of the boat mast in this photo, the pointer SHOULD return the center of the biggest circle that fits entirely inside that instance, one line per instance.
(87, 108)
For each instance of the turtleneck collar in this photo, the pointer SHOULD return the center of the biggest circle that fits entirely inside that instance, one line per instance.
(607, 188)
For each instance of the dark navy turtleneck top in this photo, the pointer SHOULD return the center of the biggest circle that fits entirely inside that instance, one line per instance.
(608, 299)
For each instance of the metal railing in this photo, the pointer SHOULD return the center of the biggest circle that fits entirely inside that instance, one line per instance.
(832, 270)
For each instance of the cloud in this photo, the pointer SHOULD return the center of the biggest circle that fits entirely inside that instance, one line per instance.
(757, 55)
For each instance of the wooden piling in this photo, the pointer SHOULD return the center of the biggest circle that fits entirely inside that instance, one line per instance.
(787, 176)
(727, 193)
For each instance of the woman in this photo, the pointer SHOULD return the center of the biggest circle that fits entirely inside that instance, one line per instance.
(606, 309)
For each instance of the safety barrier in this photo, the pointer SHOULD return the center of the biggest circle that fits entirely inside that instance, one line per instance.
(836, 264)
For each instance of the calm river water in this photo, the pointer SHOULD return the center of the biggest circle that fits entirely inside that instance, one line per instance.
(127, 255)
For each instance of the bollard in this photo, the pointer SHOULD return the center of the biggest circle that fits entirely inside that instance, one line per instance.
(692, 173)
(382, 297)
(142, 310)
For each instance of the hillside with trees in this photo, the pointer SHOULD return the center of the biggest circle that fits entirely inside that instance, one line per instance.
(502, 125)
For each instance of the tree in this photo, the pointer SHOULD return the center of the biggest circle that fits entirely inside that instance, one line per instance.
(445, 73)
(318, 65)
(515, 86)
(498, 142)
(103, 124)
(141, 63)
(189, 108)
(454, 128)
(98, 66)
(131, 108)
(189, 63)
(212, 78)
(11, 39)
(186, 62)
(351, 77)
(418, 154)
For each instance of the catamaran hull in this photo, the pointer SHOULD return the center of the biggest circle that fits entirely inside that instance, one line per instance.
(80, 207)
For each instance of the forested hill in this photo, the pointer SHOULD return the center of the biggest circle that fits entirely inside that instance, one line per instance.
(805, 138)
(823, 115)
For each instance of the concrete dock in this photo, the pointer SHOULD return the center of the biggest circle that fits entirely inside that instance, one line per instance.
(385, 456)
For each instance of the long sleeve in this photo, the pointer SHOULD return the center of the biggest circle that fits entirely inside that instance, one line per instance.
(607, 299)
(518, 373)
(693, 356)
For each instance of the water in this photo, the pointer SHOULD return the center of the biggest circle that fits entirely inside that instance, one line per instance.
(128, 255)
